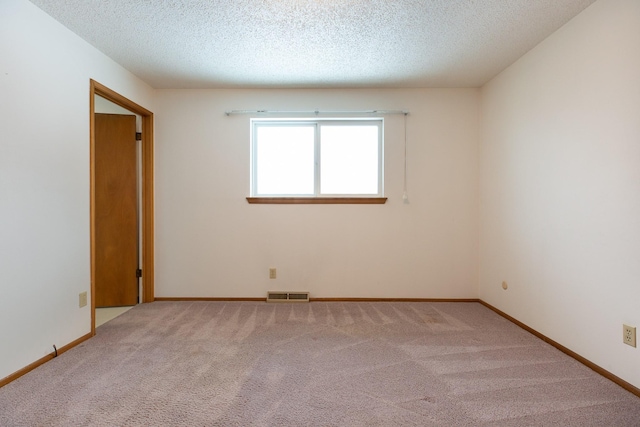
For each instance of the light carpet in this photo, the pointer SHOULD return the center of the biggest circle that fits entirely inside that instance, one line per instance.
(316, 364)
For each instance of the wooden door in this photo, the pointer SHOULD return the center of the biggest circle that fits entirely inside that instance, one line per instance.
(116, 219)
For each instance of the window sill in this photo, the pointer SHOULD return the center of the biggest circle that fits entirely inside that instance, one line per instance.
(317, 200)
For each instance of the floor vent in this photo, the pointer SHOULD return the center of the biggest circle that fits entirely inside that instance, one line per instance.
(281, 296)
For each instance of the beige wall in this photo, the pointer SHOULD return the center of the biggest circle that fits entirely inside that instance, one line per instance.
(555, 197)
(560, 186)
(44, 179)
(212, 243)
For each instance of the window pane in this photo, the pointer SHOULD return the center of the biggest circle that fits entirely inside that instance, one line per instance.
(285, 160)
(349, 160)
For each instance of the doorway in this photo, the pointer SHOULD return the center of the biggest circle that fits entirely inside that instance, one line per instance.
(139, 254)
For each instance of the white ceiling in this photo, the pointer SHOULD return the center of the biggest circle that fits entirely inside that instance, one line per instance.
(314, 43)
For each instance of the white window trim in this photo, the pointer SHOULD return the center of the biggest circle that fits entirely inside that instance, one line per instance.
(317, 123)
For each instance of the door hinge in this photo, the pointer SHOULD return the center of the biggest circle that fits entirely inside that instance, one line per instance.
(139, 273)
(138, 136)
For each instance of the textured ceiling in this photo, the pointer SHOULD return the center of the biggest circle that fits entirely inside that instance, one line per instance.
(313, 43)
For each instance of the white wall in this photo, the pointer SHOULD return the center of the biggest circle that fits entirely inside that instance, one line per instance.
(102, 105)
(211, 243)
(44, 179)
(560, 186)
(559, 190)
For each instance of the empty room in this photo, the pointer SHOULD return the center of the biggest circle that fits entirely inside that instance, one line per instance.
(319, 212)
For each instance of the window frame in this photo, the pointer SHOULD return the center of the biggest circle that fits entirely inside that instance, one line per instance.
(317, 197)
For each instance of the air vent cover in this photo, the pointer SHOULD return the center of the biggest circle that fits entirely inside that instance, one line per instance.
(285, 296)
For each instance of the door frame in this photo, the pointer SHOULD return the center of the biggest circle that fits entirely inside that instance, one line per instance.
(147, 214)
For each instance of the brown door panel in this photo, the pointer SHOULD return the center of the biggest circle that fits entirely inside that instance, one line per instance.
(116, 210)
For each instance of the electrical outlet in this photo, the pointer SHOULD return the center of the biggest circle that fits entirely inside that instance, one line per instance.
(272, 273)
(83, 299)
(629, 335)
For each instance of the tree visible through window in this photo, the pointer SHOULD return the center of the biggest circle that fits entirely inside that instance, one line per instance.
(318, 158)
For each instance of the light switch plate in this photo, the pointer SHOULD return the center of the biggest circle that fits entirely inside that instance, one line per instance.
(83, 299)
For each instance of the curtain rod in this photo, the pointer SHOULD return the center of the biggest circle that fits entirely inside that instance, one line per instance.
(316, 112)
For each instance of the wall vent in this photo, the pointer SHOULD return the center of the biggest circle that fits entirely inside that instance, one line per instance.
(283, 296)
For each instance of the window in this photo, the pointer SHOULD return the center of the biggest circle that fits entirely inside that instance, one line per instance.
(337, 158)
